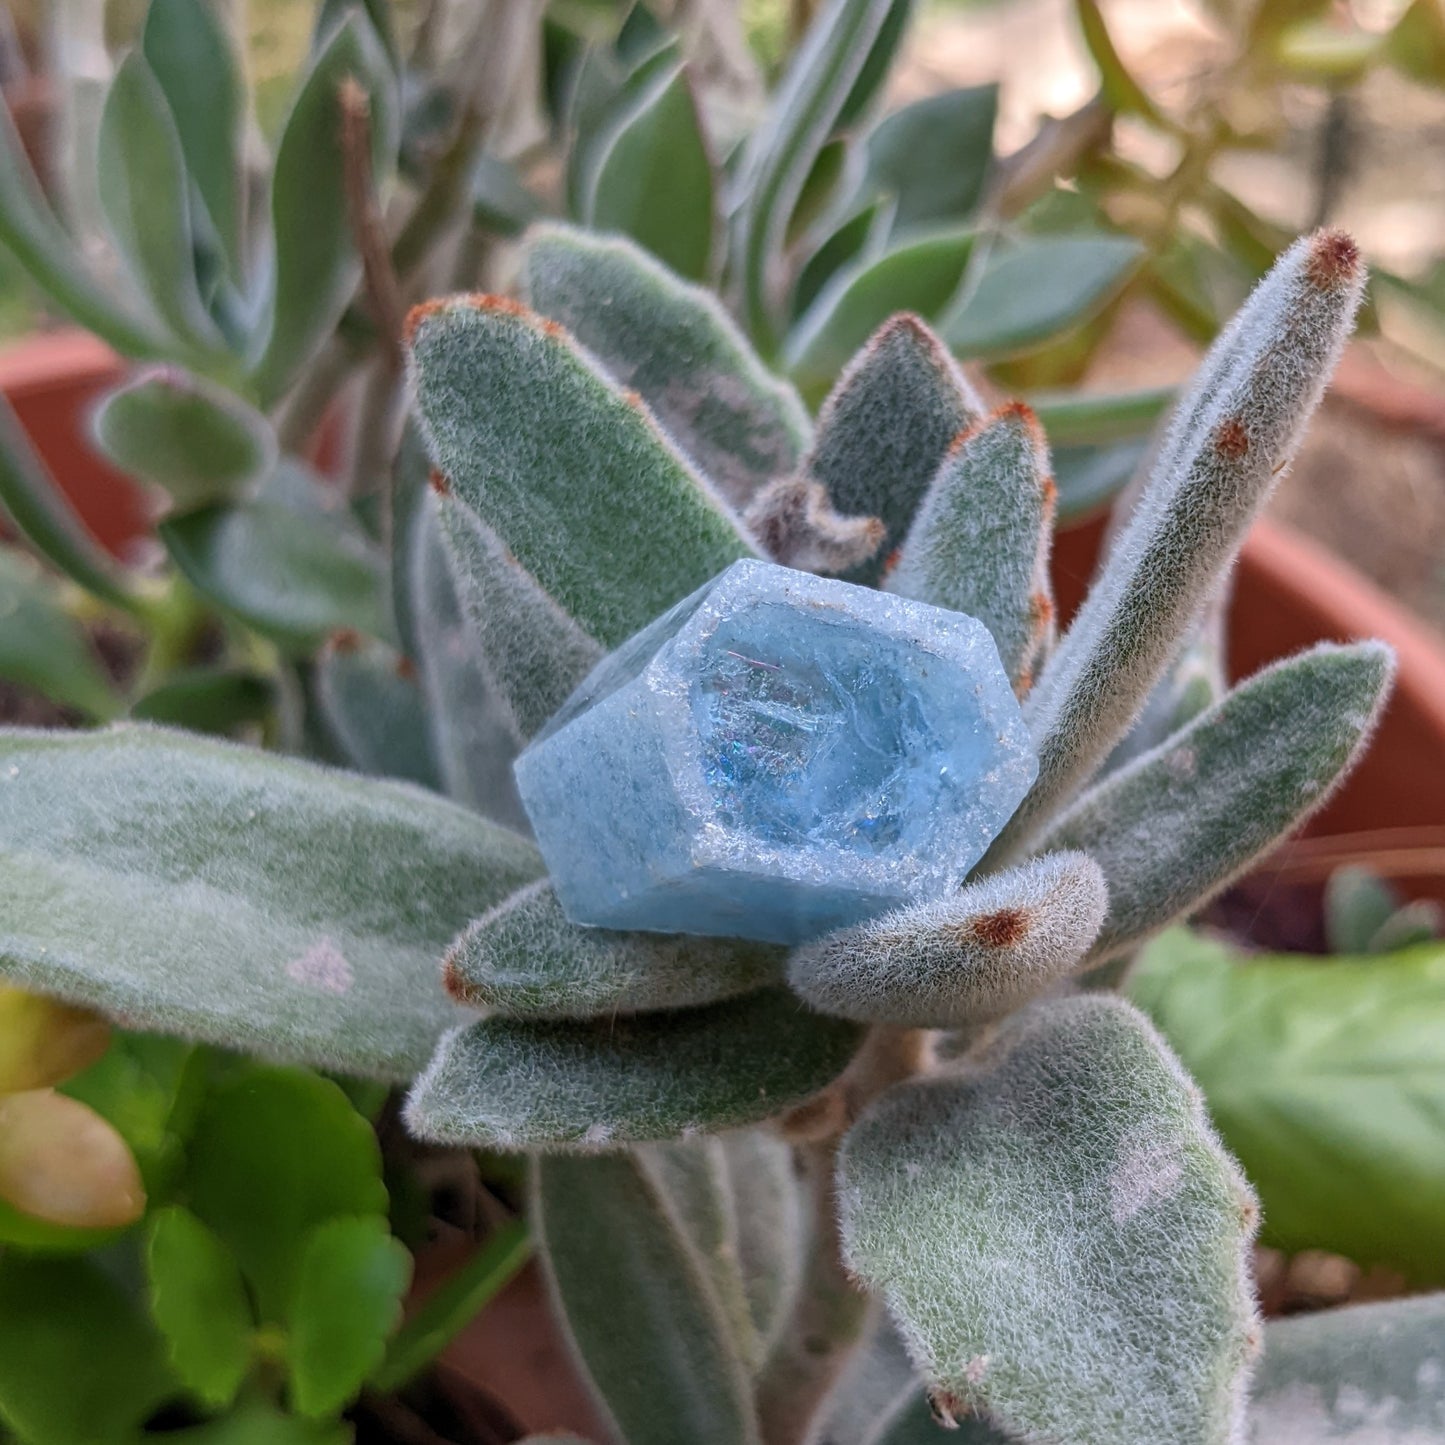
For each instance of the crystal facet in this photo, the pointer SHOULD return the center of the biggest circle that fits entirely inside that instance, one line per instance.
(777, 756)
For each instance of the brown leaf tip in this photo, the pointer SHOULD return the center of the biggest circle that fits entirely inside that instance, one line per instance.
(1025, 684)
(438, 482)
(962, 439)
(1334, 259)
(420, 313)
(1022, 413)
(1050, 488)
(1000, 929)
(344, 639)
(1231, 441)
(457, 985)
(406, 669)
(1041, 609)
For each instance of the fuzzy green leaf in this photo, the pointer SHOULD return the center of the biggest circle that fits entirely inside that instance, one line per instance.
(678, 349)
(349, 1286)
(198, 1299)
(294, 577)
(319, 1160)
(199, 441)
(814, 93)
(1327, 1078)
(518, 1084)
(315, 263)
(534, 653)
(374, 710)
(191, 56)
(42, 646)
(967, 958)
(78, 1358)
(526, 959)
(980, 541)
(1231, 438)
(198, 888)
(1036, 289)
(1173, 827)
(1365, 1375)
(887, 426)
(145, 194)
(610, 1244)
(1059, 1234)
(917, 275)
(570, 472)
(654, 178)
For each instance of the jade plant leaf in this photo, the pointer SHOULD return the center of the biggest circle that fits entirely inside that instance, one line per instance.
(627, 1080)
(1327, 1078)
(885, 428)
(216, 700)
(199, 1302)
(1173, 827)
(198, 888)
(963, 959)
(347, 1301)
(606, 1235)
(199, 441)
(677, 347)
(1059, 1235)
(526, 959)
(574, 475)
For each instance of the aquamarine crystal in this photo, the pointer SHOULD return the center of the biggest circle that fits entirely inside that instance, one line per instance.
(777, 756)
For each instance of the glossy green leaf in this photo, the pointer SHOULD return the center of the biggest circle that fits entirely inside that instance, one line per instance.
(1327, 1078)
(315, 262)
(199, 441)
(199, 1302)
(199, 888)
(208, 700)
(918, 275)
(256, 1423)
(188, 50)
(1120, 90)
(616, 528)
(500, 202)
(1089, 418)
(297, 1135)
(78, 1358)
(676, 346)
(859, 237)
(613, 1249)
(43, 647)
(1416, 45)
(347, 1301)
(517, 1084)
(451, 1307)
(1059, 1235)
(1089, 479)
(654, 179)
(295, 578)
(526, 959)
(1037, 288)
(145, 195)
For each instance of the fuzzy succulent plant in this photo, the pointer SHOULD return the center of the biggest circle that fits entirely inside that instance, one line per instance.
(783, 1194)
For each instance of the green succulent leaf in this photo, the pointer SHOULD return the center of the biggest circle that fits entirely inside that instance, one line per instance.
(980, 541)
(572, 474)
(1232, 435)
(315, 264)
(964, 959)
(254, 1422)
(199, 888)
(1089, 478)
(654, 178)
(374, 710)
(295, 577)
(318, 1157)
(199, 1302)
(1327, 1078)
(347, 1301)
(78, 1358)
(1059, 1234)
(43, 647)
(919, 274)
(1173, 827)
(770, 1223)
(860, 237)
(609, 1241)
(192, 58)
(1090, 418)
(198, 441)
(1358, 903)
(214, 700)
(526, 959)
(627, 1080)
(886, 427)
(1037, 288)
(1367, 1373)
(676, 346)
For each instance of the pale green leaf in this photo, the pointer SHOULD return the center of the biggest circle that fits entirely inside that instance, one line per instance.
(217, 700)
(1358, 903)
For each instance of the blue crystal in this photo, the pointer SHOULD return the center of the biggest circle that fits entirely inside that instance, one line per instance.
(778, 755)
